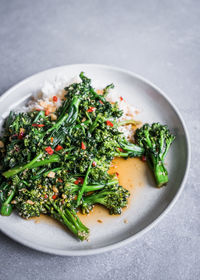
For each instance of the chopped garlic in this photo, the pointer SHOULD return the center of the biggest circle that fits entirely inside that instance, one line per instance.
(53, 117)
(51, 174)
(55, 190)
(30, 202)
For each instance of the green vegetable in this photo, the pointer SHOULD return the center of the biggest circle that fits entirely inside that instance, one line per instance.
(58, 168)
(70, 219)
(113, 198)
(71, 188)
(82, 190)
(129, 150)
(19, 169)
(6, 207)
(156, 140)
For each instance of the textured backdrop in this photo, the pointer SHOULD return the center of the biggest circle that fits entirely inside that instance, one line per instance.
(159, 40)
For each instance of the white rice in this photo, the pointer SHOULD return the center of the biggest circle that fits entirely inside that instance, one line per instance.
(44, 101)
(128, 113)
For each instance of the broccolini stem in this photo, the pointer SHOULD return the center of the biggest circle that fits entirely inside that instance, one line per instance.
(84, 184)
(100, 186)
(64, 220)
(72, 222)
(40, 114)
(97, 197)
(160, 173)
(88, 116)
(94, 125)
(95, 187)
(19, 169)
(120, 154)
(25, 183)
(6, 208)
(53, 158)
(39, 173)
(82, 124)
(58, 124)
(75, 220)
(130, 150)
(32, 164)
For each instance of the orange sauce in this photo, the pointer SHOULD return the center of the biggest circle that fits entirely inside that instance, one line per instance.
(132, 174)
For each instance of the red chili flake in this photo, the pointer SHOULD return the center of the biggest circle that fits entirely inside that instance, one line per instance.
(121, 98)
(109, 123)
(143, 158)
(52, 139)
(21, 133)
(14, 135)
(94, 164)
(117, 174)
(54, 196)
(37, 109)
(91, 109)
(49, 150)
(79, 180)
(120, 149)
(55, 98)
(20, 136)
(37, 125)
(58, 148)
(47, 112)
(83, 146)
(101, 101)
(60, 180)
(45, 196)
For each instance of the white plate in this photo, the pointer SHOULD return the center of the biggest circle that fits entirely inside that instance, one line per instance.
(149, 205)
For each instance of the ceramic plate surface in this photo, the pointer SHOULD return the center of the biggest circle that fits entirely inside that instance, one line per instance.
(149, 203)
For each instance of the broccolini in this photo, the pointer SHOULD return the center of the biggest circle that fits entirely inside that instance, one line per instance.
(156, 140)
(60, 167)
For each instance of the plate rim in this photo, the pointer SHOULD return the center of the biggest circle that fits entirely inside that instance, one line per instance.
(87, 252)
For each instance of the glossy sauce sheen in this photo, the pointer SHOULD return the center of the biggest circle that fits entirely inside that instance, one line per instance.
(132, 174)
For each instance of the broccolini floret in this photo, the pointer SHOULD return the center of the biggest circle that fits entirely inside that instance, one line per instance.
(113, 198)
(30, 203)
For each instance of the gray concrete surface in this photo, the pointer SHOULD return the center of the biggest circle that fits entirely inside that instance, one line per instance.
(159, 40)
